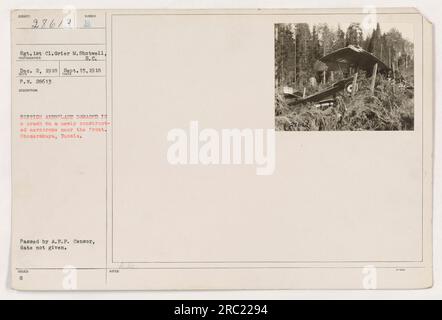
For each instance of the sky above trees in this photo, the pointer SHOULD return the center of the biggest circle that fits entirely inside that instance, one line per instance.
(298, 47)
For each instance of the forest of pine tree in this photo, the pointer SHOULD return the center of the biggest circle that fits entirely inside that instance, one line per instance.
(384, 102)
(299, 46)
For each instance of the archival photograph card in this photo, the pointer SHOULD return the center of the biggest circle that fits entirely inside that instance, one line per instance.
(221, 149)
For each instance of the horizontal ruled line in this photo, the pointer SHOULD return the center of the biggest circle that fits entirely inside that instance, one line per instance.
(59, 44)
(203, 268)
(61, 28)
(40, 60)
(62, 76)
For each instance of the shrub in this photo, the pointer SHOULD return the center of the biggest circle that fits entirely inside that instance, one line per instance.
(390, 108)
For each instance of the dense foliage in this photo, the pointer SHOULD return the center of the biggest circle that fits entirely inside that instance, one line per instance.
(299, 46)
(297, 50)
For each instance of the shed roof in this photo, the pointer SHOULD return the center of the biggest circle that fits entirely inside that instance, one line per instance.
(355, 56)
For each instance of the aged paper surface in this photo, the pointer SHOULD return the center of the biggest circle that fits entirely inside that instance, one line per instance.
(225, 149)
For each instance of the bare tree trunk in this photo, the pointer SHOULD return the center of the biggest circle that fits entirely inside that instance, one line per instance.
(389, 57)
(355, 83)
(276, 62)
(394, 70)
(324, 72)
(282, 62)
(382, 53)
(295, 60)
(394, 79)
(305, 50)
(373, 78)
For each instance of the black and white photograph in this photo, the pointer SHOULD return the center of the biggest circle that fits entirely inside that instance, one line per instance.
(344, 77)
(229, 159)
